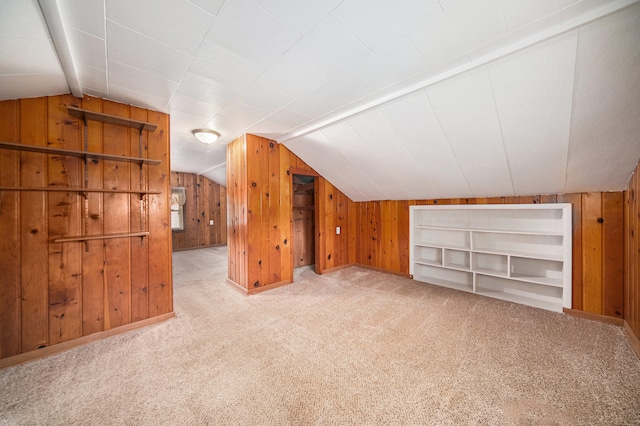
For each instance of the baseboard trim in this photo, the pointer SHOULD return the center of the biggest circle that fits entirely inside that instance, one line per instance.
(593, 317)
(261, 289)
(386, 271)
(632, 338)
(234, 285)
(256, 290)
(65, 346)
(336, 268)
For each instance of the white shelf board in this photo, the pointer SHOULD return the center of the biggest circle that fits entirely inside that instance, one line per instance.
(492, 272)
(548, 304)
(442, 245)
(490, 231)
(444, 283)
(553, 282)
(428, 262)
(528, 255)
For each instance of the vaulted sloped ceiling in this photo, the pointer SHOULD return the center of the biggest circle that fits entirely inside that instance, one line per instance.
(407, 99)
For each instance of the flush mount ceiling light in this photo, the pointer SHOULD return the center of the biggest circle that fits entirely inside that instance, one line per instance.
(207, 136)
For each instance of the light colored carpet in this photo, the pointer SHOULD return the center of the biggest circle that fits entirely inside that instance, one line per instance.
(352, 347)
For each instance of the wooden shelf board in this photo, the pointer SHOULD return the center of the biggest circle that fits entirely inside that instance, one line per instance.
(50, 189)
(74, 153)
(110, 119)
(100, 237)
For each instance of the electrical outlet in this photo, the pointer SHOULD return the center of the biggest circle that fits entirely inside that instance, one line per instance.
(337, 230)
(210, 221)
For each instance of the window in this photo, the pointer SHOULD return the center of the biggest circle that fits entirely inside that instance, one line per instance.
(178, 198)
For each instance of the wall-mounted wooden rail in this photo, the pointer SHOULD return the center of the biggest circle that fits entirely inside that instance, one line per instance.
(74, 153)
(100, 237)
(110, 119)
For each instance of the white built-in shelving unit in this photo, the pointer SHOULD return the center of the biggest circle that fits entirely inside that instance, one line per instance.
(515, 252)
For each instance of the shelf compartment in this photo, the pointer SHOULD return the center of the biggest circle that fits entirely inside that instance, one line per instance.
(443, 238)
(428, 255)
(457, 280)
(539, 296)
(494, 264)
(84, 114)
(74, 153)
(547, 272)
(526, 245)
(456, 259)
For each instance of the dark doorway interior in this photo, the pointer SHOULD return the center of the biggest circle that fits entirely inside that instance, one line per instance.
(303, 220)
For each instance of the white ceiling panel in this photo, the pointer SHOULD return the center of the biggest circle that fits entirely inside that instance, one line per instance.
(604, 145)
(263, 37)
(518, 14)
(533, 92)
(329, 49)
(343, 173)
(415, 122)
(84, 15)
(365, 19)
(263, 97)
(29, 56)
(216, 173)
(130, 96)
(211, 6)
(163, 20)
(17, 86)
(138, 51)
(91, 48)
(141, 81)
(463, 26)
(405, 57)
(192, 107)
(22, 19)
(207, 90)
(92, 79)
(219, 64)
(288, 77)
(466, 111)
(301, 15)
(364, 157)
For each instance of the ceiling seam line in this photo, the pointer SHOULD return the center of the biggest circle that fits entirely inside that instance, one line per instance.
(573, 104)
(435, 113)
(504, 147)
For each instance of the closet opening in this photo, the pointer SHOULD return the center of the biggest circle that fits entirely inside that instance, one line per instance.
(303, 215)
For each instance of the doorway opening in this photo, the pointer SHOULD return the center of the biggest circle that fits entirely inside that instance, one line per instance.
(303, 214)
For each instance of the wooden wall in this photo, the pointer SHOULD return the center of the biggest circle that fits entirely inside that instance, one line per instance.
(55, 292)
(632, 260)
(206, 200)
(598, 248)
(259, 209)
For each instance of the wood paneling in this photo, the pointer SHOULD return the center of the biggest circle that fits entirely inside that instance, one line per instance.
(598, 218)
(206, 200)
(632, 260)
(10, 304)
(259, 185)
(56, 292)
